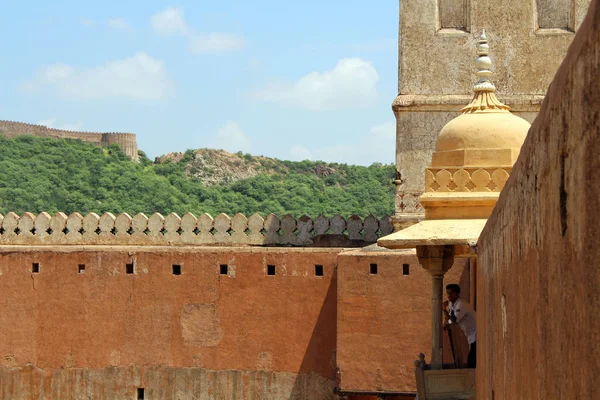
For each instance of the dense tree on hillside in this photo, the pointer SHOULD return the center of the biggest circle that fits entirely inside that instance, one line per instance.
(43, 174)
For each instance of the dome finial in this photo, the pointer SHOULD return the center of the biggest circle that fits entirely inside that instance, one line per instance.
(484, 65)
(484, 99)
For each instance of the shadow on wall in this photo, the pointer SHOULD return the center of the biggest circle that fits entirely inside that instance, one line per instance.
(319, 357)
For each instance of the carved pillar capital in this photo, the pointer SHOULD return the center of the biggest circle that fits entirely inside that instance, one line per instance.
(436, 260)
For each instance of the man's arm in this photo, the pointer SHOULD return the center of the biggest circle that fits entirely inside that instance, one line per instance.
(446, 317)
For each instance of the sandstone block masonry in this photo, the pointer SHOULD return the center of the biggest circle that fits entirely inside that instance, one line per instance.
(127, 141)
(538, 276)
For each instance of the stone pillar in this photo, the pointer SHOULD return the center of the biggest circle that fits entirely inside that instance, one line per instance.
(436, 260)
(473, 282)
(437, 290)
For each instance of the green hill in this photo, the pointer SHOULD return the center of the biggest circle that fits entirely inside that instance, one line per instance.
(45, 174)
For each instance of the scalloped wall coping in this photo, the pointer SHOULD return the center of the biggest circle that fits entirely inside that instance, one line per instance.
(189, 230)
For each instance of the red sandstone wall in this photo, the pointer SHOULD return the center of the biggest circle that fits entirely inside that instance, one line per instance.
(105, 332)
(384, 320)
(538, 281)
(127, 141)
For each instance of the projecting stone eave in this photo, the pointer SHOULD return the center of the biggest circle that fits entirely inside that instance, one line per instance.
(456, 232)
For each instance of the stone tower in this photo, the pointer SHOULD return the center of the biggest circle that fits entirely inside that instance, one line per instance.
(530, 39)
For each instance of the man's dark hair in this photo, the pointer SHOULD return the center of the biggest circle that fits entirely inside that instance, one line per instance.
(454, 287)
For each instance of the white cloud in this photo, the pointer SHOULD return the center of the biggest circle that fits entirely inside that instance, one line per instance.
(352, 83)
(300, 153)
(172, 22)
(119, 24)
(139, 77)
(215, 42)
(57, 72)
(232, 138)
(51, 123)
(169, 22)
(378, 145)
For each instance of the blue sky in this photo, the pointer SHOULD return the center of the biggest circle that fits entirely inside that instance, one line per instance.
(305, 80)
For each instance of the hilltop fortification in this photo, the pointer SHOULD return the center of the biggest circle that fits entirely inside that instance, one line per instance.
(127, 141)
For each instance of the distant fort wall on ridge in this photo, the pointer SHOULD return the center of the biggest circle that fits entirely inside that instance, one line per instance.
(127, 141)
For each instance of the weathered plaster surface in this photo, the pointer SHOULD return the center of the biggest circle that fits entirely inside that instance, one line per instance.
(435, 61)
(384, 319)
(201, 331)
(101, 333)
(538, 279)
(159, 382)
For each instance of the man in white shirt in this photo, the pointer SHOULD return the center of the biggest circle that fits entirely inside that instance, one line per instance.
(458, 311)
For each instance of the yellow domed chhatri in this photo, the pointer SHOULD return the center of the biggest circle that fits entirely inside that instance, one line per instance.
(486, 126)
(483, 131)
(475, 152)
(474, 156)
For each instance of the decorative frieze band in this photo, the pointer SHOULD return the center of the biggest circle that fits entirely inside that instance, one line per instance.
(465, 179)
(108, 229)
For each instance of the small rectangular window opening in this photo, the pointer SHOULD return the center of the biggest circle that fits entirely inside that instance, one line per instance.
(129, 268)
(270, 270)
(176, 269)
(318, 270)
(35, 268)
(224, 269)
(405, 269)
(373, 269)
(81, 268)
(140, 394)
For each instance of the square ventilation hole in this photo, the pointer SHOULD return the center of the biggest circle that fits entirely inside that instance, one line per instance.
(373, 269)
(318, 270)
(35, 268)
(176, 269)
(405, 269)
(224, 269)
(140, 394)
(129, 268)
(270, 270)
(81, 268)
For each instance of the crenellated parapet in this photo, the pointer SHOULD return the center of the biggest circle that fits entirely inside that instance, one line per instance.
(189, 230)
(127, 141)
